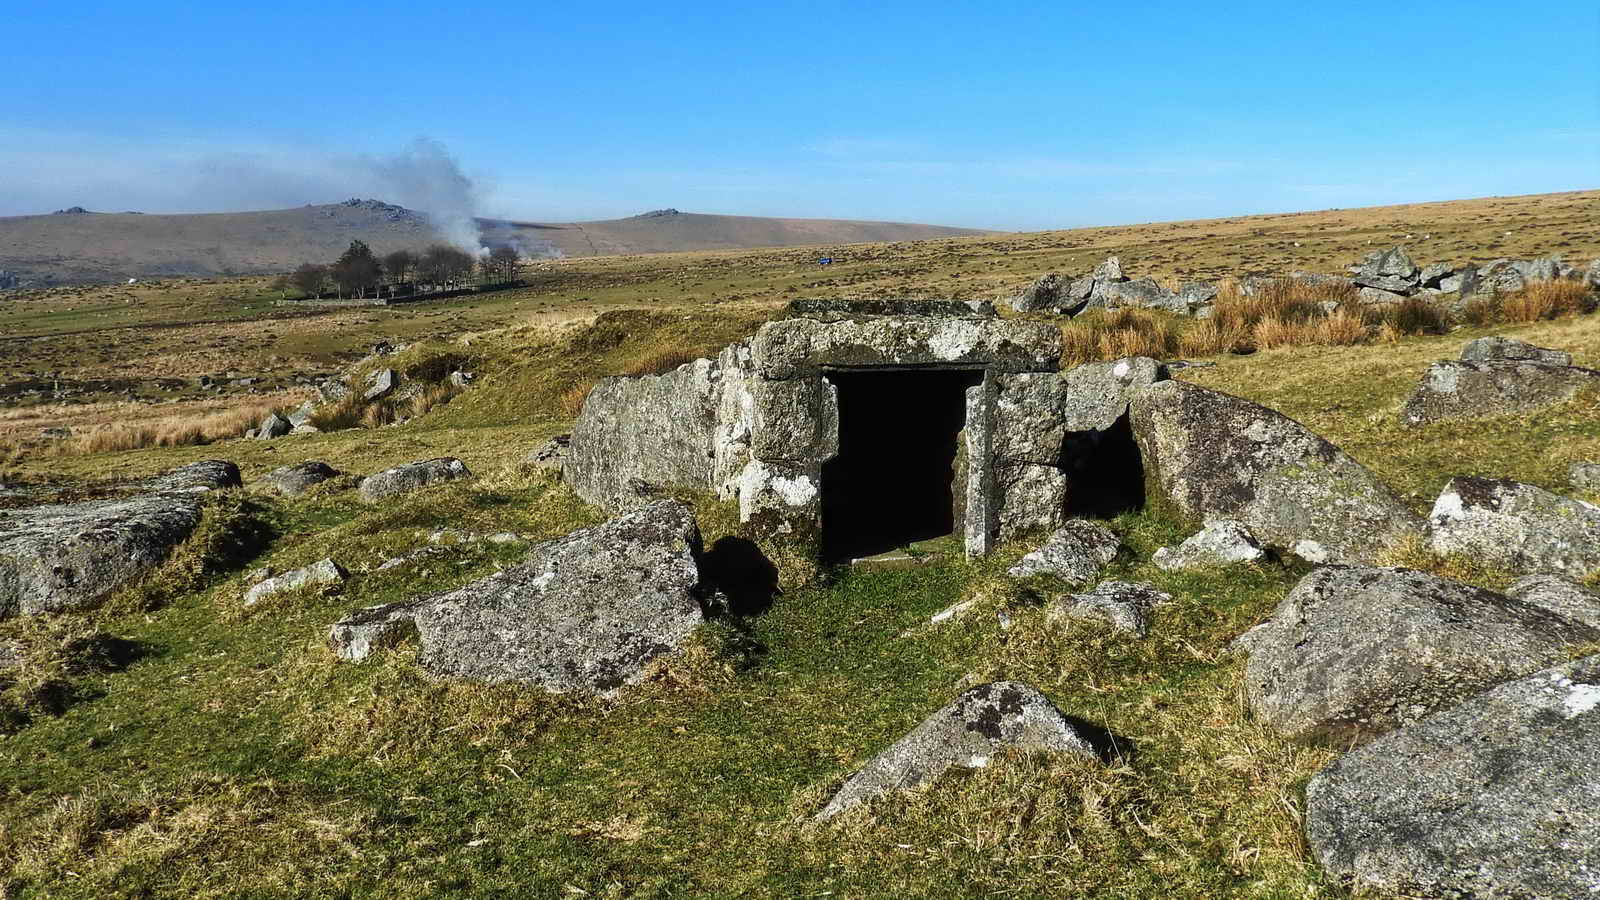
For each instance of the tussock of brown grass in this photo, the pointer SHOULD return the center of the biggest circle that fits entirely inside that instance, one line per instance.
(571, 400)
(436, 395)
(173, 431)
(377, 415)
(1342, 328)
(1101, 335)
(1546, 300)
(338, 416)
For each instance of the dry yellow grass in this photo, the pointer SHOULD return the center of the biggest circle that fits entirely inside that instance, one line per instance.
(571, 401)
(169, 431)
(1545, 300)
(660, 362)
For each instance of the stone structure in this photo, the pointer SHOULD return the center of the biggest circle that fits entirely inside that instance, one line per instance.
(889, 421)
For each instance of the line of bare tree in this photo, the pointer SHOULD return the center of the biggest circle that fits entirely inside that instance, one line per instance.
(439, 268)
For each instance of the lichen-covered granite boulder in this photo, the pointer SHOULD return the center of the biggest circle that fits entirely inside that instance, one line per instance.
(1354, 651)
(412, 476)
(1498, 796)
(1465, 390)
(1215, 456)
(967, 733)
(71, 556)
(1515, 526)
(585, 613)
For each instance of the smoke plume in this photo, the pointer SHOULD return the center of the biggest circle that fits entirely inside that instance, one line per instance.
(426, 178)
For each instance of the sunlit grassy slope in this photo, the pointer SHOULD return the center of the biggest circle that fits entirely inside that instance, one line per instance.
(189, 747)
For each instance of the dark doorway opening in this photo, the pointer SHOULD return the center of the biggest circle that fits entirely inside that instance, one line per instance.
(1105, 473)
(891, 484)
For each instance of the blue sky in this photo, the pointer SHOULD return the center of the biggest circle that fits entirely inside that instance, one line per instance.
(988, 115)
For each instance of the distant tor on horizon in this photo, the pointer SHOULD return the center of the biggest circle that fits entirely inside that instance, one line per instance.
(73, 245)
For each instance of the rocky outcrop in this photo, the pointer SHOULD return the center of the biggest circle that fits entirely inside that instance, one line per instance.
(1124, 605)
(1215, 456)
(1584, 476)
(205, 475)
(1503, 349)
(69, 557)
(412, 476)
(365, 631)
(1459, 390)
(1075, 553)
(323, 574)
(1353, 652)
(550, 456)
(1389, 270)
(380, 385)
(1223, 542)
(585, 613)
(272, 426)
(292, 481)
(1562, 596)
(1515, 526)
(1048, 292)
(1496, 797)
(968, 733)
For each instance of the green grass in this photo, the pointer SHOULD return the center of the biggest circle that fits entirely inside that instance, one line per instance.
(233, 754)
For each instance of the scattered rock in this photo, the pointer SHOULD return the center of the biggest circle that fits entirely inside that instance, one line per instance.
(1355, 651)
(1389, 270)
(1496, 349)
(1196, 294)
(460, 379)
(411, 557)
(1434, 274)
(408, 477)
(1562, 596)
(323, 573)
(205, 475)
(1144, 293)
(1075, 553)
(1585, 476)
(551, 455)
(1215, 456)
(1499, 277)
(1124, 605)
(1371, 296)
(292, 481)
(1109, 271)
(1459, 390)
(302, 415)
(967, 733)
(273, 426)
(334, 389)
(1223, 542)
(357, 635)
(1496, 797)
(380, 384)
(1044, 294)
(1515, 526)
